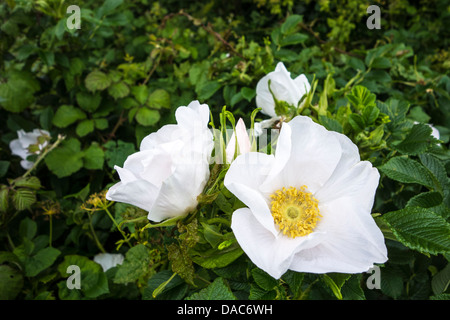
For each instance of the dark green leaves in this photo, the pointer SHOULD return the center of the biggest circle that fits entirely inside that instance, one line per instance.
(407, 171)
(420, 229)
(218, 290)
(134, 266)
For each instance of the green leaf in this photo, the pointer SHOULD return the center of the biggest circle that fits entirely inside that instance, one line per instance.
(175, 289)
(134, 266)
(97, 80)
(147, 117)
(27, 228)
(206, 90)
(248, 93)
(407, 171)
(66, 159)
(66, 115)
(335, 281)
(11, 282)
(417, 141)
(218, 290)
(93, 157)
(181, 262)
(331, 124)
(28, 182)
(361, 97)
(357, 122)
(216, 258)
(370, 114)
(158, 99)
(117, 152)
(140, 93)
(264, 280)
(294, 281)
(4, 165)
(88, 101)
(42, 260)
(118, 90)
(419, 229)
(293, 39)
(291, 23)
(425, 200)
(18, 92)
(93, 280)
(85, 127)
(380, 63)
(441, 280)
(23, 198)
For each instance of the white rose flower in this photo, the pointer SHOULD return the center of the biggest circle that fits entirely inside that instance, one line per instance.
(283, 88)
(108, 260)
(20, 146)
(309, 205)
(172, 167)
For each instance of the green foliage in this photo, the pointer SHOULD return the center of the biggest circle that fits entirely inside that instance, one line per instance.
(101, 89)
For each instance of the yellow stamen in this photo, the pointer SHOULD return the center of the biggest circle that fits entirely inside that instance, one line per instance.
(295, 211)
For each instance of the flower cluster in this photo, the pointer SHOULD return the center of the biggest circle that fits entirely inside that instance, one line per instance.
(307, 206)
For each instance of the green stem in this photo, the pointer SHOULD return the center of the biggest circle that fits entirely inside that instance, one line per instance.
(51, 231)
(97, 242)
(117, 225)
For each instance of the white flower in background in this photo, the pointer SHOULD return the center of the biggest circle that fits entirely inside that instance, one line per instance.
(108, 260)
(37, 139)
(309, 205)
(243, 141)
(172, 167)
(282, 87)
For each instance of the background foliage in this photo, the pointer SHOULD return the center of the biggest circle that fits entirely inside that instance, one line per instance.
(121, 76)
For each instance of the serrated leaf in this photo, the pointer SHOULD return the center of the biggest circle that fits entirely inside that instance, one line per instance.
(181, 262)
(417, 140)
(218, 290)
(134, 266)
(264, 280)
(420, 229)
(407, 171)
(441, 280)
(23, 198)
(97, 80)
(425, 200)
(28, 182)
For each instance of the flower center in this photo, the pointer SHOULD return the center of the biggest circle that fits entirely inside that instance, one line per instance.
(295, 211)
